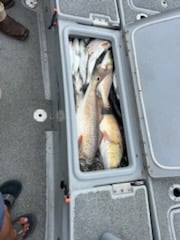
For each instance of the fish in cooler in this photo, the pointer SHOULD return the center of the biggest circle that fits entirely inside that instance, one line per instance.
(105, 85)
(83, 61)
(88, 123)
(95, 49)
(97, 127)
(111, 146)
(78, 83)
(76, 56)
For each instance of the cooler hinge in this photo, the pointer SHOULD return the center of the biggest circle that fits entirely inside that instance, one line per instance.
(103, 22)
(122, 188)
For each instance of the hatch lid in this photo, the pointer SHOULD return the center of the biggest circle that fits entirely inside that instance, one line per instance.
(102, 13)
(153, 47)
(119, 209)
(174, 218)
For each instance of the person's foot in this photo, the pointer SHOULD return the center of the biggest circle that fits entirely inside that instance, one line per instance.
(8, 3)
(13, 29)
(10, 191)
(23, 226)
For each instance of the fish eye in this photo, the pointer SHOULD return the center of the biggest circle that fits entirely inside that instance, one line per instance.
(98, 78)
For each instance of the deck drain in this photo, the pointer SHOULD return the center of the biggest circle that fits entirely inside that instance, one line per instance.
(141, 16)
(174, 192)
(40, 115)
(164, 3)
(31, 3)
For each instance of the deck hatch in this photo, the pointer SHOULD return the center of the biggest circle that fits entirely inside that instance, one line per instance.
(94, 12)
(94, 211)
(153, 48)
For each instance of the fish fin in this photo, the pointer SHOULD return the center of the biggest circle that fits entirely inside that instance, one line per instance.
(80, 140)
(104, 44)
(105, 135)
(105, 67)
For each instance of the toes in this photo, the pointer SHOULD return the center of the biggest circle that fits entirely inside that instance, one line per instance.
(25, 226)
(22, 220)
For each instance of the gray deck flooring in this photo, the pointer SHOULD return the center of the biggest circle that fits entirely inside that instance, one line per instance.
(22, 148)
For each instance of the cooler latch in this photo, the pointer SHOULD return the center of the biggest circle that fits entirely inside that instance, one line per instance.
(65, 189)
(53, 22)
(122, 188)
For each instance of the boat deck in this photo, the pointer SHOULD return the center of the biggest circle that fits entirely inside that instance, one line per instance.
(26, 151)
(23, 140)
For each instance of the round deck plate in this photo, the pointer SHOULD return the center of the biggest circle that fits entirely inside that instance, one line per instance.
(40, 115)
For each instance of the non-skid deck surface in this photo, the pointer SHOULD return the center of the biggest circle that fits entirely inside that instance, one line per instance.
(97, 212)
(163, 204)
(84, 9)
(176, 225)
(22, 148)
(131, 9)
(156, 5)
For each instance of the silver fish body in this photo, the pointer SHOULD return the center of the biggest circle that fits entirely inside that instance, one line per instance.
(78, 83)
(107, 62)
(76, 56)
(104, 89)
(94, 44)
(95, 51)
(105, 85)
(83, 61)
(115, 85)
(71, 53)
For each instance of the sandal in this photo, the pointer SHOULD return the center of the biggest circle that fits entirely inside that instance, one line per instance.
(8, 3)
(13, 29)
(10, 191)
(20, 227)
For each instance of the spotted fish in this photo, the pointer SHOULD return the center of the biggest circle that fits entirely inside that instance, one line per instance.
(88, 121)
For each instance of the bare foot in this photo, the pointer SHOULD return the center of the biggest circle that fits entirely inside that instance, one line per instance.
(21, 227)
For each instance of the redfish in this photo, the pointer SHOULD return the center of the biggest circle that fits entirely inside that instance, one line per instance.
(111, 146)
(88, 121)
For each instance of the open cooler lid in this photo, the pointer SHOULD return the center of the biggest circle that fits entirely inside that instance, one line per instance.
(96, 12)
(153, 45)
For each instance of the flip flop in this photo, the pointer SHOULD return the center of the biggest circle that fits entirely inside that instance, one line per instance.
(13, 29)
(8, 3)
(19, 227)
(10, 191)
